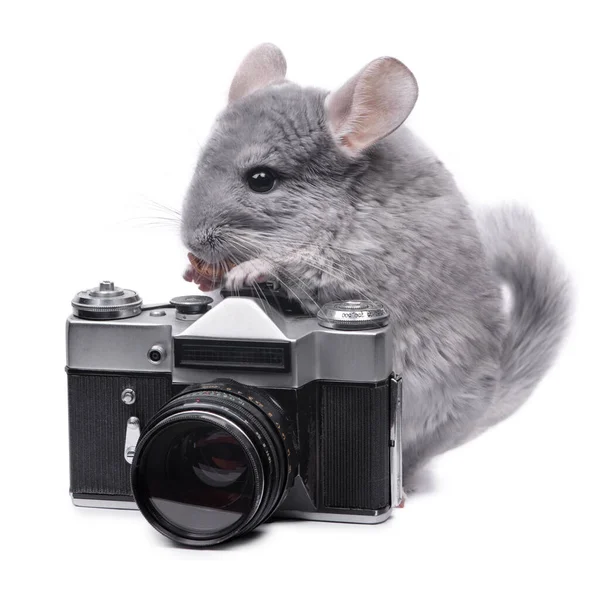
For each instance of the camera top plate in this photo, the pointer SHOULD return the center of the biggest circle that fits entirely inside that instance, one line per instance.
(274, 295)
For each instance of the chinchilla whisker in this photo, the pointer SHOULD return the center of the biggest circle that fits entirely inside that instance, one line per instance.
(340, 276)
(157, 220)
(247, 250)
(300, 300)
(296, 281)
(255, 251)
(170, 219)
(263, 299)
(148, 222)
(282, 281)
(317, 248)
(334, 272)
(238, 256)
(162, 207)
(261, 296)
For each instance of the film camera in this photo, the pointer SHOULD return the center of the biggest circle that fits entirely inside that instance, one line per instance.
(212, 420)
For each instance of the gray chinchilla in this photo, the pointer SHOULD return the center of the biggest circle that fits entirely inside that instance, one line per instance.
(328, 194)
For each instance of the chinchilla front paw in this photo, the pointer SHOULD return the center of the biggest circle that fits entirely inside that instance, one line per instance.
(248, 273)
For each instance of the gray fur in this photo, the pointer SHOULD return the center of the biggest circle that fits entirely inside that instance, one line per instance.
(390, 224)
(540, 308)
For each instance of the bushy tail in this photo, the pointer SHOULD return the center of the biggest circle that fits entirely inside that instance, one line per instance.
(541, 303)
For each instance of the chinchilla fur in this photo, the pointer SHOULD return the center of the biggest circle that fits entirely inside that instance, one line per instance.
(361, 208)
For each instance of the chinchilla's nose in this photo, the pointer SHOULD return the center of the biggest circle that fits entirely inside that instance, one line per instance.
(208, 237)
(205, 242)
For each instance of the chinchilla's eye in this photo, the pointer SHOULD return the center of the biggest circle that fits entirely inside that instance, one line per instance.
(261, 180)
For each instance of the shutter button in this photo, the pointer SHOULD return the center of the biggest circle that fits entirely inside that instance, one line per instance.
(190, 308)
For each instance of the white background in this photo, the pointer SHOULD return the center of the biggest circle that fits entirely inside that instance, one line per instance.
(104, 107)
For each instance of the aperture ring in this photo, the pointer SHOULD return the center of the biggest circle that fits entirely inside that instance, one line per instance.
(267, 406)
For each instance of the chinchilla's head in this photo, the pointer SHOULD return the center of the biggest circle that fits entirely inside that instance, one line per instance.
(279, 172)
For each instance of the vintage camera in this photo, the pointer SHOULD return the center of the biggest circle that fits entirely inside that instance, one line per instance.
(212, 420)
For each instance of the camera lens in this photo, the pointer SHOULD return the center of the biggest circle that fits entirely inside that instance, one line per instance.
(213, 463)
(200, 479)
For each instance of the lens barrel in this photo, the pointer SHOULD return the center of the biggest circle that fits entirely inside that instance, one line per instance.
(213, 463)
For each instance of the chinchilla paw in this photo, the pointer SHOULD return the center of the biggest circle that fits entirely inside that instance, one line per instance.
(247, 273)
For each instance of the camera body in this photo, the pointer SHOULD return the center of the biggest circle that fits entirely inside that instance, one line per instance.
(330, 376)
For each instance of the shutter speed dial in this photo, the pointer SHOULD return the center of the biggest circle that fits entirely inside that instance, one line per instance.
(353, 315)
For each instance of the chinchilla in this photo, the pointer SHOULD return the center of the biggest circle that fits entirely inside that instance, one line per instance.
(328, 194)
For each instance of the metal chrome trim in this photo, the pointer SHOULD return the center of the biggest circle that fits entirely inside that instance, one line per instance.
(128, 396)
(161, 352)
(132, 437)
(92, 503)
(396, 439)
(377, 517)
(374, 519)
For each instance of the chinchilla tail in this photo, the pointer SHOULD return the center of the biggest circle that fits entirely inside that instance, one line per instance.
(540, 305)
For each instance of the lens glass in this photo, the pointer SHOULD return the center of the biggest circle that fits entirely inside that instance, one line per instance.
(199, 478)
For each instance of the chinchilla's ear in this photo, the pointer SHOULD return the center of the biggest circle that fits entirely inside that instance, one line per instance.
(371, 105)
(263, 66)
